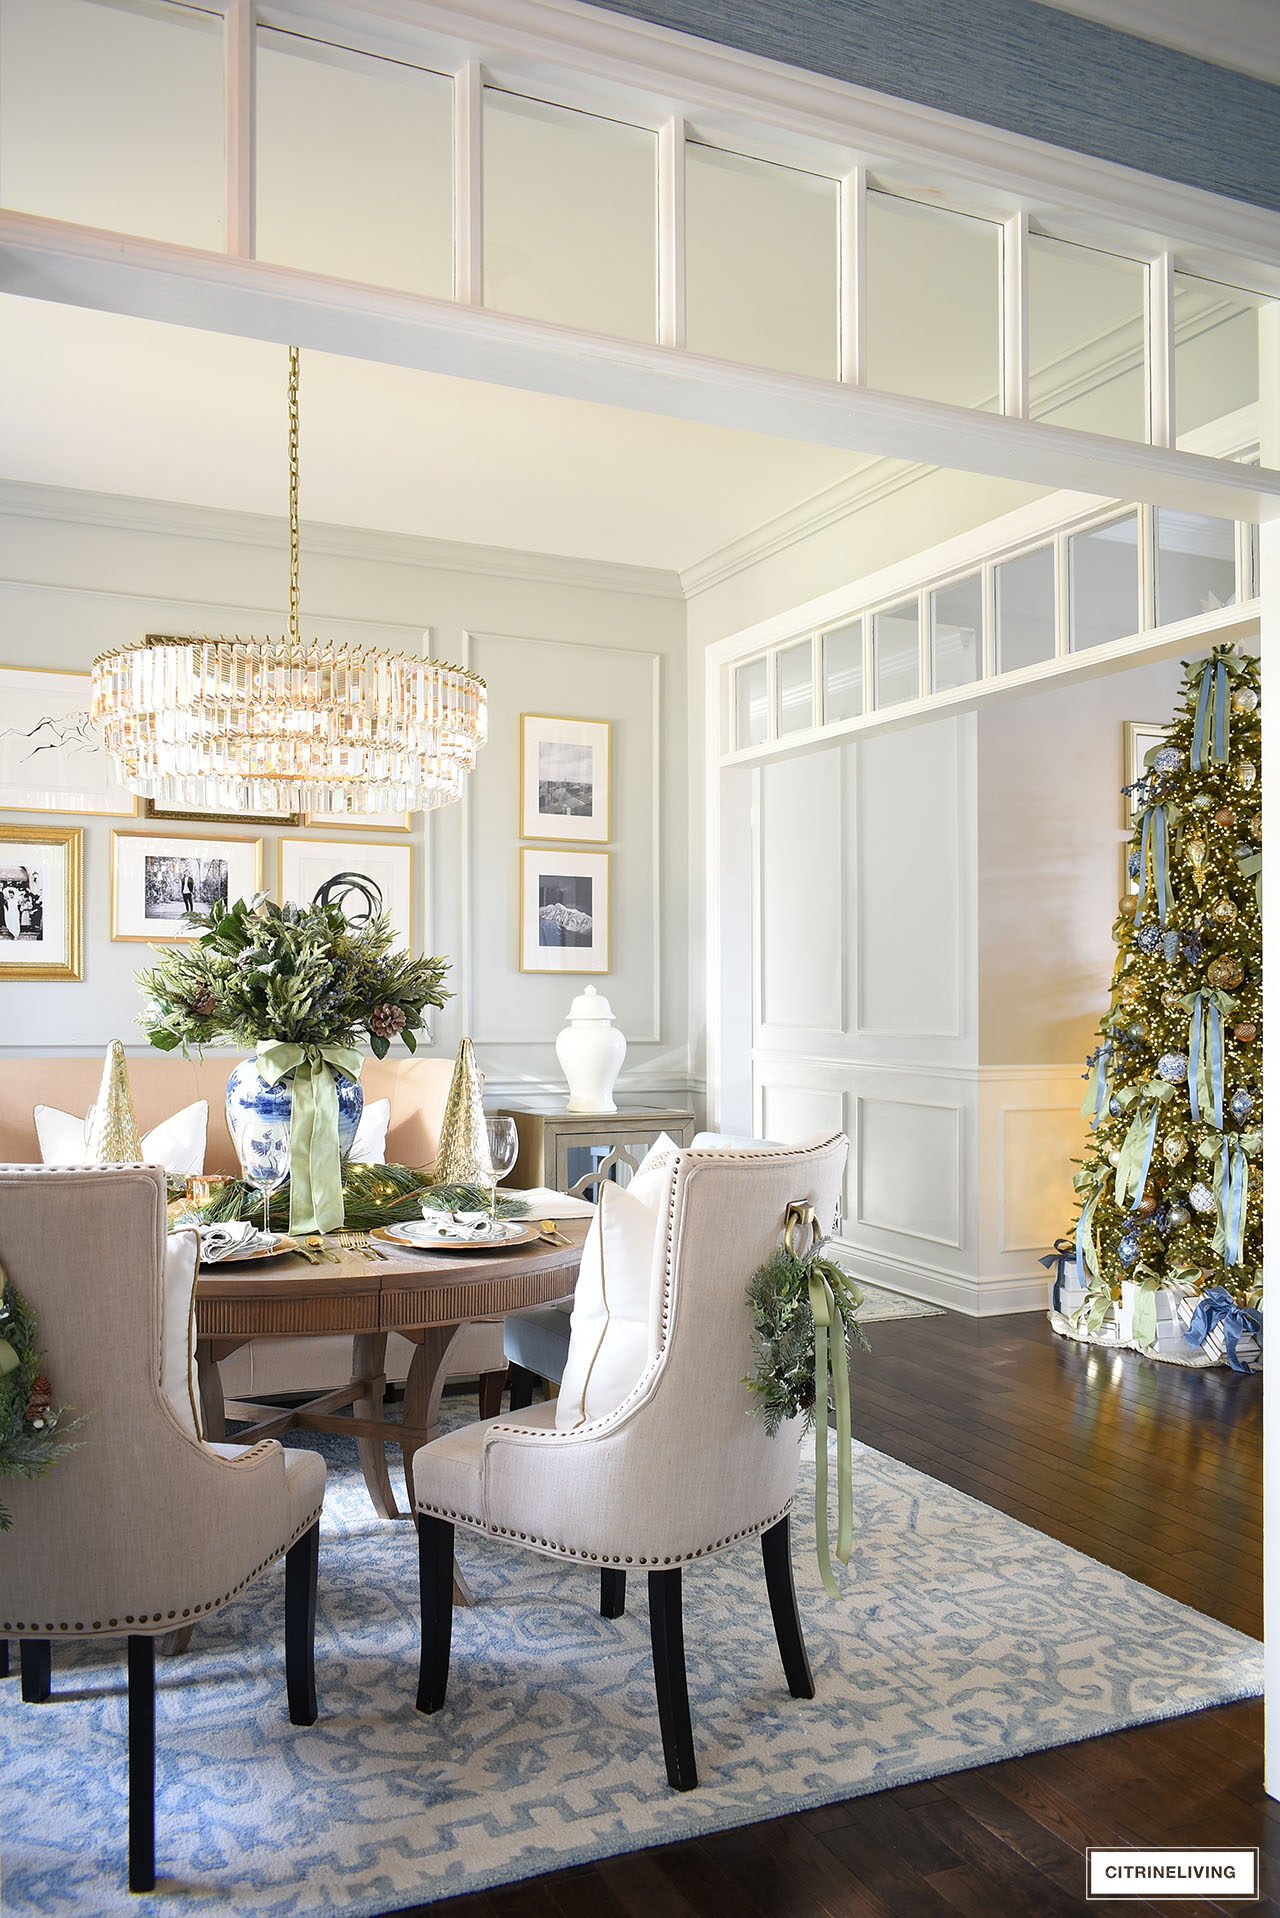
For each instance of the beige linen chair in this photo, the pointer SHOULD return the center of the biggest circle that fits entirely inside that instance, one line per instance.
(679, 1470)
(143, 1528)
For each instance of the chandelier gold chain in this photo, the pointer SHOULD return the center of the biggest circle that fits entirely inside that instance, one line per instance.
(294, 537)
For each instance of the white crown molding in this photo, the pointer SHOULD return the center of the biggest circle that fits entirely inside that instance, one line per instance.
(1240, 35)
(27, 499)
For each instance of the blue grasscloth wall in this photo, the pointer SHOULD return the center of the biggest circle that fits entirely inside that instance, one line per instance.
(1021, 66)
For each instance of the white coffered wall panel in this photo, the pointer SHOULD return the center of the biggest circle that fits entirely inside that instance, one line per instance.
(802, 840)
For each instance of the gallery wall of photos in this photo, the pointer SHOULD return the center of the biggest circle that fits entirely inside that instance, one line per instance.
(161, 869)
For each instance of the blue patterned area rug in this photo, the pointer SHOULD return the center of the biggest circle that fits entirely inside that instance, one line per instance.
(962, 1637)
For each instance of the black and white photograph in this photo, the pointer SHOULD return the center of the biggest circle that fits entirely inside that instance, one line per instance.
(564, 778)
(564, 910)
(364, 880)
(159, 879)
(174, 885)
(40, 902)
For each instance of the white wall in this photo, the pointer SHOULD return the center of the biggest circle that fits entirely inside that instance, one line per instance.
(79, 573)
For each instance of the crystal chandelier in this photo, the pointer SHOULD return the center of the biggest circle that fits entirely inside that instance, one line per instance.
(287, 725)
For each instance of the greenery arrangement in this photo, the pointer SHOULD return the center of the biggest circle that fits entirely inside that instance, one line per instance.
(33, 1431)
(300, 974)
(1170, 1191)
(803, 1328)
(371, 1195)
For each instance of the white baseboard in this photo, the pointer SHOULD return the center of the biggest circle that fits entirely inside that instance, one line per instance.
(977, 1298)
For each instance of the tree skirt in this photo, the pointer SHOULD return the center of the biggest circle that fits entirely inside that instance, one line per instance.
(961, 1637)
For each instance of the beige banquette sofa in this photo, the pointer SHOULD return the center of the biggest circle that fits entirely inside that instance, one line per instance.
(163, 1084)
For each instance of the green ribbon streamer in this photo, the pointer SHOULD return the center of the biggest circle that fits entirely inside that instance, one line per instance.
(831, 1294)
(1144, 1305)
(1139, 1140)
(1250, 865)
(315, 1168)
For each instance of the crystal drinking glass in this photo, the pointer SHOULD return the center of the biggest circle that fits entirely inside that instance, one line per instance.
(263, 1146)
(503, 1146)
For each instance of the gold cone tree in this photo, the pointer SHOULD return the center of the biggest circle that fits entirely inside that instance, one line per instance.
(1170, 1190)
(463, 1158)
(113, 1136)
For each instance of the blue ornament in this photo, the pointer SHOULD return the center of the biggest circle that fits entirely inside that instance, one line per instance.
(1161, 1221)
(1168, 760)
(1135, 865)
(1192, 947)
(1128, 1248)
(1173, 1067)
(1171, 943)
(1148, 939)
(1241, 1105)
(1113, 1107)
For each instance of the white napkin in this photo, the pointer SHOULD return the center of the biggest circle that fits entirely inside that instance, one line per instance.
(543, 1203)
(234, 1239)
(463, 1226)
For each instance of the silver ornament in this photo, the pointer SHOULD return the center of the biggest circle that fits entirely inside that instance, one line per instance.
(1178, 1217)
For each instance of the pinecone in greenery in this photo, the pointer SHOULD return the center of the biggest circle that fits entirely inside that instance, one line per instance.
(40, 1401)
(385, 1021)
(204, 1003)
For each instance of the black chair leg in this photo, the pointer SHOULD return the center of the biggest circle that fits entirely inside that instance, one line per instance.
(301, 1563)
(775, 1547)
(4, 1658)
(142, 1763)
(521, 1382)
(613, 1592)
(666, 1628)
(435, 1585)
(36, 1662)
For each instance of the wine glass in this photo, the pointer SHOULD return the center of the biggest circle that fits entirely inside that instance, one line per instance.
(263, 1146)
(503, 1146)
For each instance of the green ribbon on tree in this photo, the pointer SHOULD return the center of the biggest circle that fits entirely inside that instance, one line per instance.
(315, 1167)
(1208, 1010)
(1250, 864)
(829, 1292)
(1140, 1139)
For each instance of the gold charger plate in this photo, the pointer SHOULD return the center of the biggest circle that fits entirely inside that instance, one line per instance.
(526, 1232)
(282, 1245)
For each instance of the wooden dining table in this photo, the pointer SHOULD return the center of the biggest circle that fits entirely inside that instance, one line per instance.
(426, 1296)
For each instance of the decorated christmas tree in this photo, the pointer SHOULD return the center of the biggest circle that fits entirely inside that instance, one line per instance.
(1170, 1192)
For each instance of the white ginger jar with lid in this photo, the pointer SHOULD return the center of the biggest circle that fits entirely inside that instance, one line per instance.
(590, 1050)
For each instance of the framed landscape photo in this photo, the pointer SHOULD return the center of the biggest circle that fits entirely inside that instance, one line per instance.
(51, 759)
(564, 910)
(40, 893)
(363, 878)
(158, 878)
(564, 778)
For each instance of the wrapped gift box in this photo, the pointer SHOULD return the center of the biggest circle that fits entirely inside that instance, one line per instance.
(1168, 1325)
(1215, 1346)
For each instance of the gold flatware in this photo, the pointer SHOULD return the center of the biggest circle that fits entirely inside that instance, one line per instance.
(312, 1258)
(548, 1230)
(322, 1251)
(359, 1242)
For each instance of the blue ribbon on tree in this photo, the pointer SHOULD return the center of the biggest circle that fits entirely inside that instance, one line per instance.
(1212, 709)
(1063, 1250)
(1155, 841)
(1218, 1311)
(1095, 1097)
(1233, 1201)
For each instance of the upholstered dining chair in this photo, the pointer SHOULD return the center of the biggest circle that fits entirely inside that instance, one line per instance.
(678, 1471)
(142, 1528)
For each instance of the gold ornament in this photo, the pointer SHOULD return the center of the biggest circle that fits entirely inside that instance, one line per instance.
(1197, 853)
(1129, 990)
(1146, 1205)
(1255, 827)
(1226, 971)
(463, 1157)
(1225, 818)
(113, 1129)
(1246, 1032)
(1171, 1000)
(1224, 909)
(1175, 1148)
(1246, 774)
(1129, 905)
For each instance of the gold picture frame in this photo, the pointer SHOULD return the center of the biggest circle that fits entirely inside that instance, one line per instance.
(129, 866)
(373, 823)
(286, 820)
(65, 798)
(17, 896)
(589, 875)
(589, 825)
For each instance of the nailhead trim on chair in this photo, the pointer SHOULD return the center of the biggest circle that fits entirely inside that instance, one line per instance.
(604, 1558)
(18, 1628)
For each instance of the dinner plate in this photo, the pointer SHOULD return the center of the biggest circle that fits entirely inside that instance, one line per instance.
(416, 1234)
(282, 1245)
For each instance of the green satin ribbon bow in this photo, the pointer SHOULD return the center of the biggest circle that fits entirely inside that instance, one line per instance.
(9, 1360)
(1139, 1140)
(832, 1294)
(315, 1168)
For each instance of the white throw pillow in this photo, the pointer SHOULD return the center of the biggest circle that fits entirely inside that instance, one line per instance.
(177, 1143)
(370, 1147)
(178, 1352)
(612, 1337)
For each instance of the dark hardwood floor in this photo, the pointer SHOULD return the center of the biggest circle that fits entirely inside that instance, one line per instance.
(1154, 1469)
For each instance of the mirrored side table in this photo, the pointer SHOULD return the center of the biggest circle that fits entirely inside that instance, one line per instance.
(577, 1151)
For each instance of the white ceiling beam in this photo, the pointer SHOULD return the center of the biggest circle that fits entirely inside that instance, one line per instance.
(79, 266)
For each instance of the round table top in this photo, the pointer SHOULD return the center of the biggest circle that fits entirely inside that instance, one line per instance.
(400, 1291)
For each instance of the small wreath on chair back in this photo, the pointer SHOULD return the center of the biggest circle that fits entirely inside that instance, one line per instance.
(804, 1325)
(33, 1431)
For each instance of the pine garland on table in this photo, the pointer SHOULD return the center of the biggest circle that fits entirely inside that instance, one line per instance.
(33, 1431)
(372, 1195)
